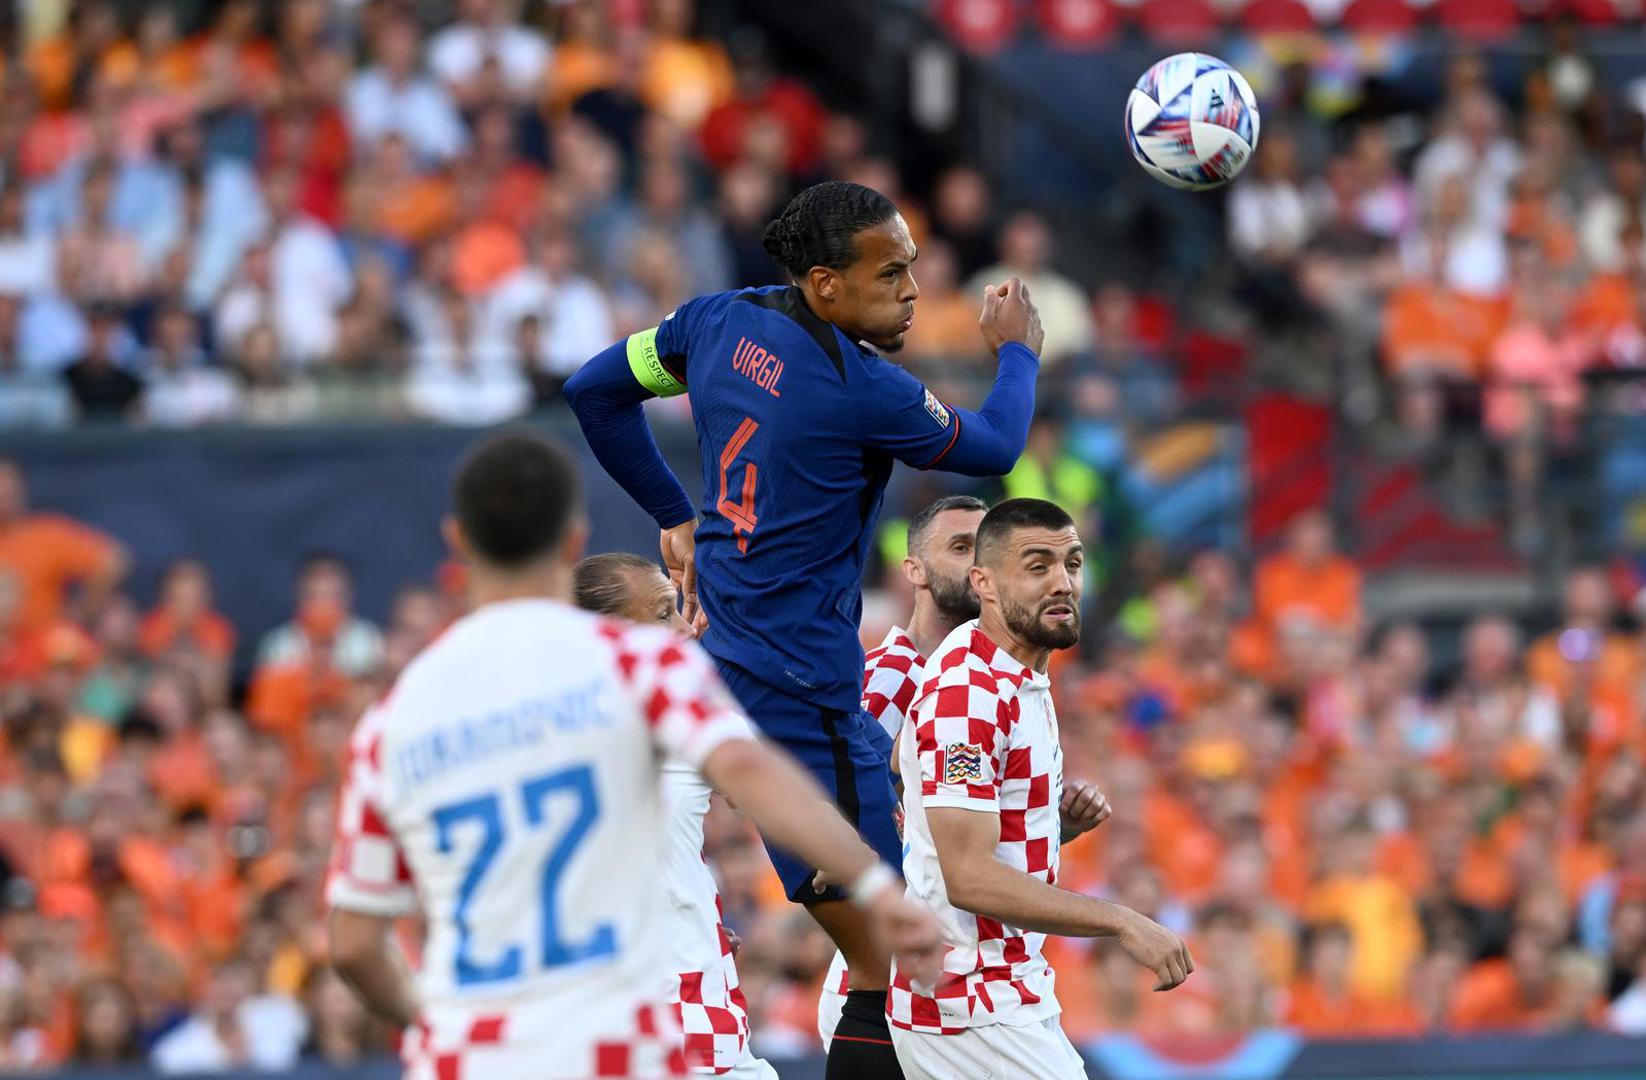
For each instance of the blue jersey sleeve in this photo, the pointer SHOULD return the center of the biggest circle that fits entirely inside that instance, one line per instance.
(606, 395)
(903, 418)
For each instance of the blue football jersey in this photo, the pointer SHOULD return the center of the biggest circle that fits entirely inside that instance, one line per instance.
(798, 428)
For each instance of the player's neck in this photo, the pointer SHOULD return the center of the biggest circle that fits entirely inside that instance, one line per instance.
(929, 625)
(548, 582)
(1033, 657)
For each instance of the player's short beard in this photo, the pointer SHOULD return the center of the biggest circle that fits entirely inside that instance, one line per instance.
(953, 598)
(1025, 623)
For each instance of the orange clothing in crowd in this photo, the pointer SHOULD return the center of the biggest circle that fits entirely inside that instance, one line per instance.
(1606, 303)
(1618, 666)
(210, 634)
(1382, 922)
(46, 554)
(683, 80)
(1185, 850)
(1489, 998)
(1320, 1014)
(483, 255)
(1328, 593)
(1429, 329)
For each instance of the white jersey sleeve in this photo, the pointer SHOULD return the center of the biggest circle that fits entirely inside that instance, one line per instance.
(689, 710)
(368, 873)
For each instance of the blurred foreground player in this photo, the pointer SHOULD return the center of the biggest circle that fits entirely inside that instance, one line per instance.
(798, 422)
(507, 786)
(982, 767)
(713, 1015)
(938, 568)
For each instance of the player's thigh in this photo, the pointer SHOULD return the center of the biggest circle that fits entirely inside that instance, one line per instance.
(847, 925)
(992, 1052)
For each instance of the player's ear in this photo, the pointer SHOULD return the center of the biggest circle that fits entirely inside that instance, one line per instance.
(913, 572)
(982, 582)
(452, 532)
(825, 283)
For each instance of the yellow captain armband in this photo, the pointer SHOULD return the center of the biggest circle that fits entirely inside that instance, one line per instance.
(648, 366)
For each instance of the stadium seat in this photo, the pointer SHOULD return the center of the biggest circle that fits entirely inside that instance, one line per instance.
(1587, 12)
(1277, 17)
(979, 26)
(1478, 20)
(1177, 22)
(1379, 17)
(1077, 24)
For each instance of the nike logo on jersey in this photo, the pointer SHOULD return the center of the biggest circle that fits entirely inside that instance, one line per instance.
(762, 367)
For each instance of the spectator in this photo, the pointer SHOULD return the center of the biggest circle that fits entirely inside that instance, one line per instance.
(234, 1029)
(1472, 148)
(686, 76)
(97, 262)
(1269, 219)
(269, 392)
(1454, 244)
(308, 275)
(1026, 252)
(459, 379)
(29, 397)
(748, 201)
(962, 214)
(48, 553)
(482, 34)
(1518, 991)
(945, 324)
(666, 208)
(181, 390)
(392, 96)
(184, 620)
(103, 391)
(107, 1032)
(574, 314)
(1308, 581)
(324, 623)
(766, 106)
(28, 261)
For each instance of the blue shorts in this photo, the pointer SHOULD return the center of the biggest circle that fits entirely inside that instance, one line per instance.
(850, 755)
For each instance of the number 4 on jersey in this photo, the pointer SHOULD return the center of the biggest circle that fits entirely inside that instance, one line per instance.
(740, 514)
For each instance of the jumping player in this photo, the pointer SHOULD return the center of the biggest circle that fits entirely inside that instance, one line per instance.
(713, 1013)
(507, 786)
(798, 423)
(981, 765)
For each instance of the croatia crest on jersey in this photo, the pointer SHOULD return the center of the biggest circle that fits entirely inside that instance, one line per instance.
(962, 763)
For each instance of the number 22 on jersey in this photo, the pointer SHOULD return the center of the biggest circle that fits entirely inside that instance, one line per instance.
(540, 797)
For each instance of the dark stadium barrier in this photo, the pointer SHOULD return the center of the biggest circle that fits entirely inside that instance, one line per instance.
(1269, 1055)
(251, 502)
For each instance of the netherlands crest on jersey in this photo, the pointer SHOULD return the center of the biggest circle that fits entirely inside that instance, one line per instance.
(937, 409)
(962, 763)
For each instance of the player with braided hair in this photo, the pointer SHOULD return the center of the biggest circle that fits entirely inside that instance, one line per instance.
(799, 419)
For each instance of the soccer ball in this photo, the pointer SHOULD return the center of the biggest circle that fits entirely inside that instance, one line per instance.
(1192, 121)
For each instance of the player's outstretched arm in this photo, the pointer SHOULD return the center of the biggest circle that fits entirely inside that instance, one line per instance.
(976, 881)
(790, 808)
(364, 953)
(606, 395)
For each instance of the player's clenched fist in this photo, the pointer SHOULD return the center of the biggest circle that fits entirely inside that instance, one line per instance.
(1009, 315)
(1157, 949)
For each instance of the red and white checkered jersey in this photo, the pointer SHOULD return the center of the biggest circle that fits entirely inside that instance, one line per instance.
(891, 678)
(984, 738)
(713, 1013)
(508, 788)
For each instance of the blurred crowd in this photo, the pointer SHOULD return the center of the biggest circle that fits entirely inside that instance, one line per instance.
(319, 211)
(1356, 840)
(1485, 256)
